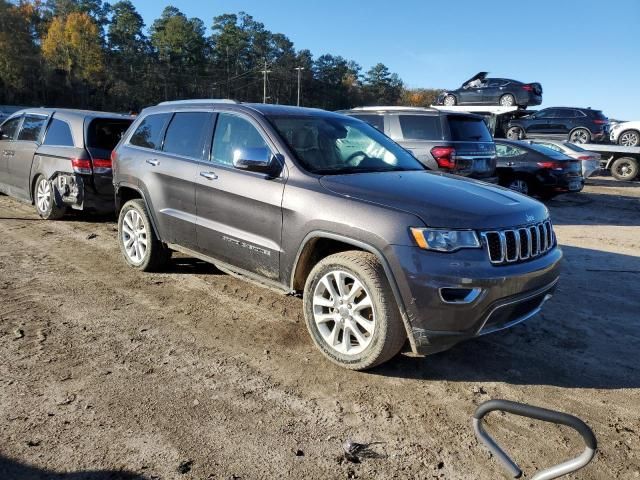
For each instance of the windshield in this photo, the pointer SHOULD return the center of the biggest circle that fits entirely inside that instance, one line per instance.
(336, 145)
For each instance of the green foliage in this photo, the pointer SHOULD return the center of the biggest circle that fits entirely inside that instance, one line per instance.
(92, 54)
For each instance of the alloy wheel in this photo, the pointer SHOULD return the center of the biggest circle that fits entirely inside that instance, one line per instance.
(134, 236)
(43, 195)
(343, 312)
(507, 101)
(449, 100)
(519, 185)
(579, 136)
(630, 139)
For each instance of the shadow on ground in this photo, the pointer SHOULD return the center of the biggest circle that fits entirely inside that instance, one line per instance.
(14, 470)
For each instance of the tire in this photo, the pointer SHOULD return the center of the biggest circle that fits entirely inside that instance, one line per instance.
(625, 169)
(328, 314)
(449, 101)
(629, 138)
(515, 133)
(137, 240)
(44, 200)
(519, 185)
(507, 100)
(579, 136)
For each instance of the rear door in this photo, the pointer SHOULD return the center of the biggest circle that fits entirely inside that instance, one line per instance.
(561, 122)
(240, 212)
(493, 91)
(540, 124)
(169, 148)
(9, 131)
(24, 147)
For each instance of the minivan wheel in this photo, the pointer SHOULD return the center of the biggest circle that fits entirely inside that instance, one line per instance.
(629, 138)
(350, 311)
(44, 200)
(515, 133)
(507, 100)
(449, 101)
(625, 169)
(138, 242)
(580, 135)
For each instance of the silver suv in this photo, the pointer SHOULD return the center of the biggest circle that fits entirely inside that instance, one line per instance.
(458, 143)
(324, 205)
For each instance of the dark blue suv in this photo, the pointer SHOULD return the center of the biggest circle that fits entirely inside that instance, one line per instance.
(577, 125)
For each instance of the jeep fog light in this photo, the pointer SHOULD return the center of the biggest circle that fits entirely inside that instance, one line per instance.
(445, 240)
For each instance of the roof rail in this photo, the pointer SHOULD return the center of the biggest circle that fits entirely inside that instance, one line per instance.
(199, 100)
(389, 108)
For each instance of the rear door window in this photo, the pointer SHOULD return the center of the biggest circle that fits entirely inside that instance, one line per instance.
(149, 132)
(9, 128)
(468, 129)
(58, 133)
(187, 134)
(508, 150)
(420, 127)
(376, 121)
(105, 133)
(31, 128)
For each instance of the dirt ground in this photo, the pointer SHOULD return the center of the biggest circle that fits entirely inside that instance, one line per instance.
(110, 373)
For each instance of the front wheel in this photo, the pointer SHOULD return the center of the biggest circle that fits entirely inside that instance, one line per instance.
(138, 242)
(515, 133)
(350, 311)
(44, 200)
(580, 135)
(450, 100)
(625, 169)
(629, 138)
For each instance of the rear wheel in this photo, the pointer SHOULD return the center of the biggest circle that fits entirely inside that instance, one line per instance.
(629, 138)
(507, 100)
(138, 242)
(625, 169)
(450, 100)
(44, 200)
(519, 185)
(580, 135)
(350, 311)
(515, 133)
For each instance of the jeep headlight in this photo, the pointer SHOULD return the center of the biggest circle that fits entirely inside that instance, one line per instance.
(442, 240)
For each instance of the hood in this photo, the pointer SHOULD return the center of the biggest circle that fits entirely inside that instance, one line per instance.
(477, 76)
(441, 200)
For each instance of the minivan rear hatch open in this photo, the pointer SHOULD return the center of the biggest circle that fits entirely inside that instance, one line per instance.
(102, 135)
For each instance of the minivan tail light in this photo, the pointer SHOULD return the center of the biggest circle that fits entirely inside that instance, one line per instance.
(102, 165)
(81, 165)
(445, 157)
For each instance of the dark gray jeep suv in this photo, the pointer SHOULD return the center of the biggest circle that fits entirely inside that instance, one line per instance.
(312, 202)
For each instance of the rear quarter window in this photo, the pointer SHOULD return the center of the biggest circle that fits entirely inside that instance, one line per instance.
(468, 129)
(148, 134)
(376, 121)
(420, 127)
(59, 134)
(105, 133)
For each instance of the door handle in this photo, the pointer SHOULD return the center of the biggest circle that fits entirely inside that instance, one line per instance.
(209, 175)
(153, 162)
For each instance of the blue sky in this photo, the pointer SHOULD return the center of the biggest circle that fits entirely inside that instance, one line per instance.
(585, 53)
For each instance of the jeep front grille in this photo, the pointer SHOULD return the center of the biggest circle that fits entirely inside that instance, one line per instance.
(519, 244)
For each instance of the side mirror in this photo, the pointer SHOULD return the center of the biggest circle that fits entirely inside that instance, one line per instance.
(259, 160)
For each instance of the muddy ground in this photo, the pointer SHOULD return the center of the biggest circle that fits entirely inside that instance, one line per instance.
(106, 372)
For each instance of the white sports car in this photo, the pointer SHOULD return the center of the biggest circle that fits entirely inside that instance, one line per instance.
(626, 134)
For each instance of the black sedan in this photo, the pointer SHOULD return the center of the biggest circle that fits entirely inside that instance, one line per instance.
(480, 90)
(533, 169)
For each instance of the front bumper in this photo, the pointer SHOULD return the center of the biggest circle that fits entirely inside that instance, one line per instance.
(505, 294)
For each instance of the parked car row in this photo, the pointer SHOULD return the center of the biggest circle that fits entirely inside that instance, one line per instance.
(383, 251)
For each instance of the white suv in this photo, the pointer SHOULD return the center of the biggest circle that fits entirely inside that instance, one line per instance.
(626, 134)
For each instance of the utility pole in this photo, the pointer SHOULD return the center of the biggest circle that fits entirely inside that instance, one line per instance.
(264, 82)
(299, 69)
